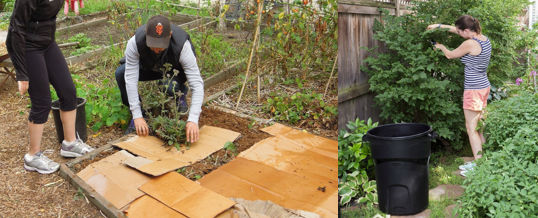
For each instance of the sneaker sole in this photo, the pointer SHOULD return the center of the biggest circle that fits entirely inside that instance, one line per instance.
(29, 168)
(64, 153)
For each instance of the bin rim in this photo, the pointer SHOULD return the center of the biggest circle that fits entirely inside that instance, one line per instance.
(79, 103)
(407, 137)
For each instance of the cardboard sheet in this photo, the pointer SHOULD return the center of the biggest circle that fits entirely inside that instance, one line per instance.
(147, 206)
(320, 144)
(161, 159)
(186, 196)
(294, 169)
(288, 156)
(114, 181)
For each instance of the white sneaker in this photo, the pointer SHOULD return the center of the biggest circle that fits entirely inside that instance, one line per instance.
(40, 163)
(467, 166)
(75, 149)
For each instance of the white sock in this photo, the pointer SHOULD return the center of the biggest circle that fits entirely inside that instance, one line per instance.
(28, 157)
(68, 143)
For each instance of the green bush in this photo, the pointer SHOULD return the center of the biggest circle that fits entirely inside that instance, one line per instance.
(415, 83)
(504, 182)
(505, 118)
(355, 165)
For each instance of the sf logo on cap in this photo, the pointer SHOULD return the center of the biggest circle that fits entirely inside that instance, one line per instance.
(159, 28)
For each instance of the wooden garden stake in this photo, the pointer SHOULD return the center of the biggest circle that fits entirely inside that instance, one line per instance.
(330, 77)
(258, 68)
(258, 21)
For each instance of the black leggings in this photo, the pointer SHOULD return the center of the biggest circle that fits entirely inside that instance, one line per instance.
(48, 66)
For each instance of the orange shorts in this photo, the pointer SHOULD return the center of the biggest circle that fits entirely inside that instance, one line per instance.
(475, 99)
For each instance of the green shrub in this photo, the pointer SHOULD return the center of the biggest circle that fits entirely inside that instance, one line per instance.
(355, 165)
(504, 182)
(506, 117)
(415, 83)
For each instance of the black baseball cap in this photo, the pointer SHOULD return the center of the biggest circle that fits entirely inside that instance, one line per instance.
(158, 32)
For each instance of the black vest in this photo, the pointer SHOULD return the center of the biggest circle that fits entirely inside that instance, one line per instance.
(149, 61)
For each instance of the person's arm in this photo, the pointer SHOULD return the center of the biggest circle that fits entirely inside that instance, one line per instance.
(460, 51)
(132, 67)
(196, 83)
(187, 60)
(16, 38)
(131, 77)
(451, 29)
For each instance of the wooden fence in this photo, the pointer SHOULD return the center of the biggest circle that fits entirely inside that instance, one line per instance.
(355, 33)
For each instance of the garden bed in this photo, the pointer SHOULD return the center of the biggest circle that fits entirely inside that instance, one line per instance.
(250, 134)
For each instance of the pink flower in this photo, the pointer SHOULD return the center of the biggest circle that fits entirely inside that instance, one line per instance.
(519, 81)
(533, 73)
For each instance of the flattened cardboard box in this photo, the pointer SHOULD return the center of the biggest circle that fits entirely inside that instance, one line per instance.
(158, 159)
(186, 196)
(114, 181)
(294, 169)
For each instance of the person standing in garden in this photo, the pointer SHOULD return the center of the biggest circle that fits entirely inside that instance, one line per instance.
(38, 61)
(153, 45)
(474, 53)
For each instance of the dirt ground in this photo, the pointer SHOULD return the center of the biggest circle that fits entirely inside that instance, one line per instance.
(28, 194)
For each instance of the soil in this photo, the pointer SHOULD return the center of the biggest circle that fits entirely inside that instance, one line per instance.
(63, 21)
(30, 194)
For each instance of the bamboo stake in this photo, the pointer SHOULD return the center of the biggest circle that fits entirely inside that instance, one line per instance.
(258, 21)
(330, 77)
(258, 68)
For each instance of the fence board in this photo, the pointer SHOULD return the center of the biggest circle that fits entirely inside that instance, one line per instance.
(355, 36)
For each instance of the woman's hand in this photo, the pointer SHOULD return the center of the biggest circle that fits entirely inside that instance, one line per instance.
(193, 132)
(439, 46)
(432, 26)
(23, 87)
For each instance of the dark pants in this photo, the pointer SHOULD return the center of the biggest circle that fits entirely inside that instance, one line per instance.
(175, 84)
(48, 66)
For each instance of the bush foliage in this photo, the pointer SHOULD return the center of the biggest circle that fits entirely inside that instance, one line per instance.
(355, 165)
(504, 181)
(507, 117)
(415, 83)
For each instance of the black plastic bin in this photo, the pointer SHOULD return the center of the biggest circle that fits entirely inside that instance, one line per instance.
(401, 153)
(80, 124)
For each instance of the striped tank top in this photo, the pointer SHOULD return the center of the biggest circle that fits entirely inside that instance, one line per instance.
(476, 66)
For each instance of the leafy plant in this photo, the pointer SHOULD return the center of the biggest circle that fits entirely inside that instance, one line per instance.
(103, 102)
(496, 94)
(300, 106)
(355, 165)
(303, 39)
(353, 154)
(214, 52)
(84, 44)
(230, 146)
(170, 130)
(357, 184)
(504, 182)
(161, 110)
(506, 117)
